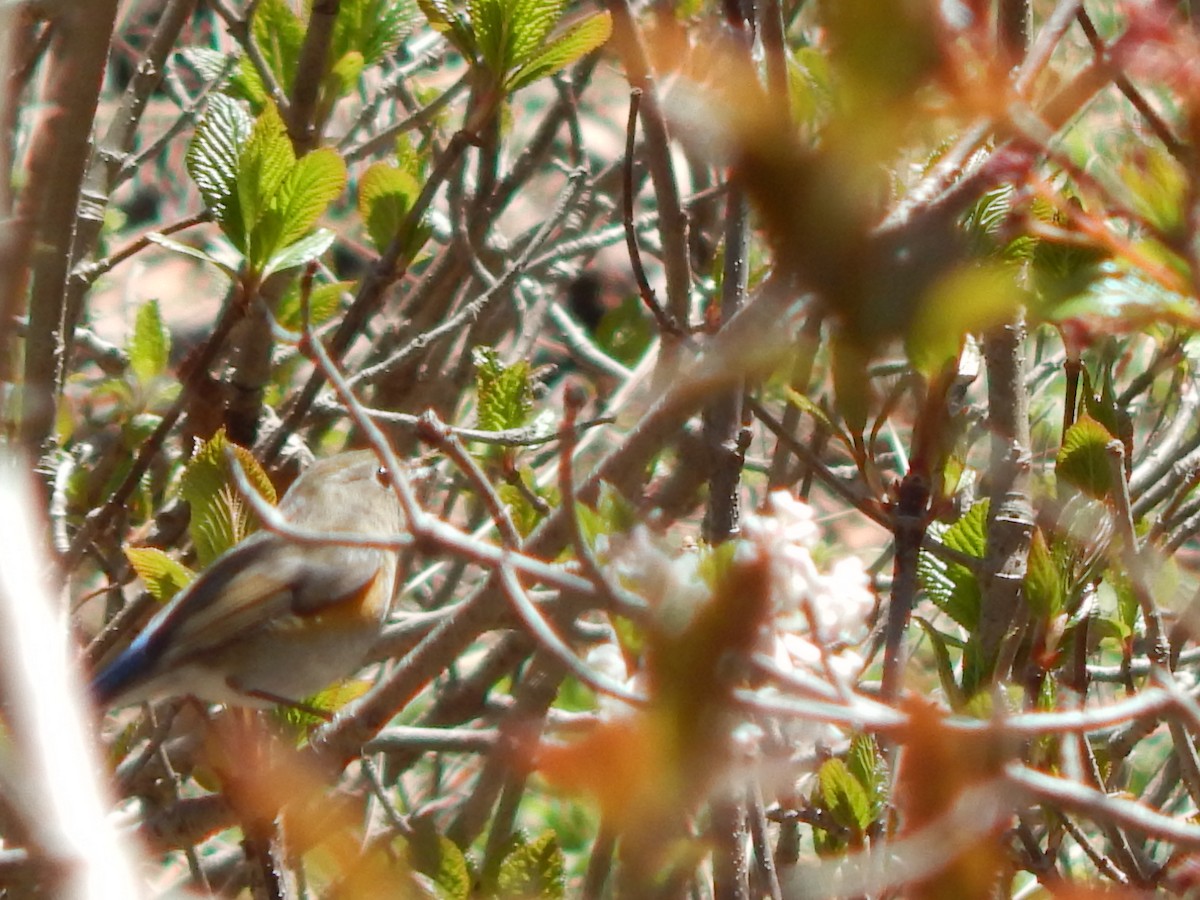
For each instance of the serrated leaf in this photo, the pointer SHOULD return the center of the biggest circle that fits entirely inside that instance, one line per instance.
(505, 394)
(300, 252)
(385, 195)
(489, 21)
(176, 247)
(439, 858)
(1082, 460)
(248, 85)
(576, 42)
(279, 33)
(264, 163)
(315, 181)
(212, 159)
(220, 517)
(869, 768)
(443, 17)
(845, 798)
(373, 28)
(163, 575)
(534, 869)
(150, 344)
(1045, 588)
(323, 302)
(532, 21)
(951, 586)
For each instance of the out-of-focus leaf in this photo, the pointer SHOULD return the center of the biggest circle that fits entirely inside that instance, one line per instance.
(323, 302)
(969, 299)
(1082, 460)
(945, 665)
(850, 383)
(1045, 581)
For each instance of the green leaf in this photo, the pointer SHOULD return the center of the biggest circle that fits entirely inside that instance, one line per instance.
(150, 344)
(187, 250)
(315, 181)
(844, 796)
(869, 768)
(850, 385)
(343, 75)
(1045, 582)
(576, 42)
(220, 517)
(372, 28)
(489, 22)
(505, 392)
(385, 196)
(212, 159)
(804, 404)
(323, 302)
(441, 860)
(625, 332)
(945, 665)
(951, 586)
(523, 513)
(531, 23)
(966, 300)
(534, 869)
(1082, 460)
(279, 34)
(264, 163)
(443, 17)
(164, 575)
(248, 85)
(300, 252)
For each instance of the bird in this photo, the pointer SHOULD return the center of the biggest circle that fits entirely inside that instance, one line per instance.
(273, 620)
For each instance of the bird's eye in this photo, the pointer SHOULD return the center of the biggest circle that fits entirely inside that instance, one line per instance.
(383, 476)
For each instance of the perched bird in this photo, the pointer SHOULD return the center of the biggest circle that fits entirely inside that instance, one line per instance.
(273, 620)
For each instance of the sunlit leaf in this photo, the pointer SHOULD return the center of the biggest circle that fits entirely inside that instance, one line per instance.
(533, 869)
(150, 344)
(212, 159)
(505, 392)
(576, 42)
(220, 517)
(844, 796)
(1083, 459)
(163, 575)
(300, 252)
(385, 195)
